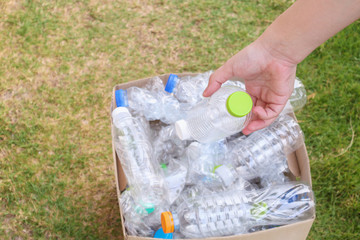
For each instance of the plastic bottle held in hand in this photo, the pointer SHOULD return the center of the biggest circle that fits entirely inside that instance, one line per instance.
(226, 112)
(236, 212)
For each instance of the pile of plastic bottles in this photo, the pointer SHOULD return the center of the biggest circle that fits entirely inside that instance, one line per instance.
(190, 171)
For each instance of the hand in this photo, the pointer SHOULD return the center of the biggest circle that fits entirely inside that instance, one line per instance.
(269, 79)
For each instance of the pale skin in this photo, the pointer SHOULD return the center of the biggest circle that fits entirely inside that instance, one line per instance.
(268, 65)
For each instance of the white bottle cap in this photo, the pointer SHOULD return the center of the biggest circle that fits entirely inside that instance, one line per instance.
(182, 130)
(194, 145)
(225, 174)
(194, 150)
(120, 111)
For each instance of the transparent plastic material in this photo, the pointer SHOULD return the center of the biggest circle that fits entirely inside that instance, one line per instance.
(167, 145)
(225, 183)
(175, 179)
(298, 96)
(210, 120)
(263, 153)
(236, 212)
(135, 153)
(208, 167)
(137, 219)
(297, 99)
(239, 84)
(202, 160)
(154, 103)
(188, 90)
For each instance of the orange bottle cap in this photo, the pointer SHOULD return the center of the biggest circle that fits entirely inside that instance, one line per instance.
(167, 222)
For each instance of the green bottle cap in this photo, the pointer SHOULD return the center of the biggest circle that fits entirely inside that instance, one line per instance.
(259, 209)
(239, 104)
(216, 167)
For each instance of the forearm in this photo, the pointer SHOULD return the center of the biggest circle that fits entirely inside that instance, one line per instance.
(306, 25)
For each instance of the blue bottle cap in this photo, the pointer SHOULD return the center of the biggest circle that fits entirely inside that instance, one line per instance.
(171, 83)
(121, 98)
(160, 234)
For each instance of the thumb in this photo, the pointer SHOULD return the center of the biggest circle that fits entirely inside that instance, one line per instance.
(220, 76)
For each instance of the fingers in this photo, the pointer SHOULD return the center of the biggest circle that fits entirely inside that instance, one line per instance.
(263, 117)
(255, 125)
(267, 112)
(220, 76)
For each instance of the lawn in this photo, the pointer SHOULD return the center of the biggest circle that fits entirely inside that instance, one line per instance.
(59, 61)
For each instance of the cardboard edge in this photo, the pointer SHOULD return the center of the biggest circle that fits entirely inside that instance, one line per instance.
(118, 175)
(301, 232)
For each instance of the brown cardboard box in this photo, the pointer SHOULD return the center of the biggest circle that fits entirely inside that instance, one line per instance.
(298, 164)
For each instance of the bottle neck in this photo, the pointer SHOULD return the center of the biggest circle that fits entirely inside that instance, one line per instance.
(176, 221)
(227, 174)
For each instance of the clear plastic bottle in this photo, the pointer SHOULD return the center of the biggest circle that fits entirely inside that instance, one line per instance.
(137, 220)
(267, 148)
(154, 103)
(225, 113)
(239, 84)
(201, 160)
(134, 216)
(236, 212)
(188, 90)
(135, 153)
(167, 145)
(207, 166)
(174, 179)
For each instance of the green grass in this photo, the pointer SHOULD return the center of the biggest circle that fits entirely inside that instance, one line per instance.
(59, 61)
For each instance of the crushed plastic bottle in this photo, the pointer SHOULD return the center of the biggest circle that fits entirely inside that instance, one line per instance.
(226, 112)
(134, 215)
(235, 212)
(175, 179)
(188, 90)
(207, 167)
(202, 160)
(135, 153)
(154, 103)
(167, 145)
(267, 149)
(189, 194)
(138, 220)
(297, 100)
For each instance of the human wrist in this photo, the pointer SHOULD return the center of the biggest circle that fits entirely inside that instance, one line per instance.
(280, 47)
